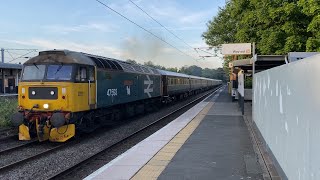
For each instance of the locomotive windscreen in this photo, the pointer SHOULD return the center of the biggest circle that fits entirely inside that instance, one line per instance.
(33, 72)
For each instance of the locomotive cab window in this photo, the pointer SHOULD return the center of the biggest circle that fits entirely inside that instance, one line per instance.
(59, 72)
(33, 72)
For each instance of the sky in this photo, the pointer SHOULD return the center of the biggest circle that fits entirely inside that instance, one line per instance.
(88, 26)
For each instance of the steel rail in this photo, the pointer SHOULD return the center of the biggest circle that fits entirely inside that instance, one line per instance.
(4, 138)
(18, 146)
(33, 157)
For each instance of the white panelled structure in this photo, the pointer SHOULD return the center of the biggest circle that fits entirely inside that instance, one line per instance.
(286, 106)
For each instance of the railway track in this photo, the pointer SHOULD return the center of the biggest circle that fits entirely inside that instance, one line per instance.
(16, 145)
(7, 138)
(4, 130)
(66, 172)
(15, 156)
(7, 132)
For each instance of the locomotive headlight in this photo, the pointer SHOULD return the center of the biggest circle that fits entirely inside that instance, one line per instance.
(52, 93)
(46, 106)
(23, 90)
(33, 92)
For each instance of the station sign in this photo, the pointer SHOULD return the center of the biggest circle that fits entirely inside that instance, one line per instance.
(236, 49)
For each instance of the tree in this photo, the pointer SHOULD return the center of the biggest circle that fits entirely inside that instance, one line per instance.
(191, 70)
(312, 9)
(131, 61)
(150, 64)
(277, 26)
(175, 69)
(221, 28)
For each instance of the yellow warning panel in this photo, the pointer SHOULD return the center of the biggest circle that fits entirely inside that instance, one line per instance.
(62, 133)
(24, 132)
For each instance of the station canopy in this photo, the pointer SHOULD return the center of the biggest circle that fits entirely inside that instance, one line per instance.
(10, 66)
(263, 62)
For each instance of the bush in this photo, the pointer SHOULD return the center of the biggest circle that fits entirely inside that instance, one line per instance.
(8, 106)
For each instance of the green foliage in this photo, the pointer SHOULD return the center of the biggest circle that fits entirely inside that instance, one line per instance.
(7, 107)
(225, 64)
(175, 69)
(131, 61)
(220, 29)
(277, 26)
(206, 72)
(248, 83)
(191, 70)
(150, 64)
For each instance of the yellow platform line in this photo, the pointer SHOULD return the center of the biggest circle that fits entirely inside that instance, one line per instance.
(158, 163)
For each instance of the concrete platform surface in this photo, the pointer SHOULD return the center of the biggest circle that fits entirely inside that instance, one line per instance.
(220, 148)
(128, 164)
(210, 141)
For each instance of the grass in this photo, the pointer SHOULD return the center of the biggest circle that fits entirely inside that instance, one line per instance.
(8, 106)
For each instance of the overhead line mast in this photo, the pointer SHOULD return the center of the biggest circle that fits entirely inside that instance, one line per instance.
(15, 58)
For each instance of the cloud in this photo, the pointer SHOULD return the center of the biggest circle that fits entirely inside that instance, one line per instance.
(164, 11)
(194, 17)
(184, 28)
(43, 44)
(142, 47)
(180, 15)
(90, 27)
(133, 48)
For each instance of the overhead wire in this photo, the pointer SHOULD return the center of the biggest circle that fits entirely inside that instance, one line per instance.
(161, 24)
(22, 55)
(10, 54)
(145, 29)
(206, 52)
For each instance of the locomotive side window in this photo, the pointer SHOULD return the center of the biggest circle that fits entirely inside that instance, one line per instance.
(81, 74)
(91, 74)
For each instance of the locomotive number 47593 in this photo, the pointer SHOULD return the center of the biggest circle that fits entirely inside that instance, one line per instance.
(112, 92)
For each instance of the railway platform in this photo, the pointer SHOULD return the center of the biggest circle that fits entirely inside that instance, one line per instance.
(209, 141)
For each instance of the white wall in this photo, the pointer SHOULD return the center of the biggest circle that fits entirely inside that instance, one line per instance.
(286, 110)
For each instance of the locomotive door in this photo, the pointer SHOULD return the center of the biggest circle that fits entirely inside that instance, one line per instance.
(85, 86)
(92, 88)
(164, 86)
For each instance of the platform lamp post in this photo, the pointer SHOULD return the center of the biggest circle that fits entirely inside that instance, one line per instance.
(3, 81)
(254, 58)
(2, 55)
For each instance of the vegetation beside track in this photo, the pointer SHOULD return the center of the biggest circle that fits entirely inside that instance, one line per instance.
(7, 107)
